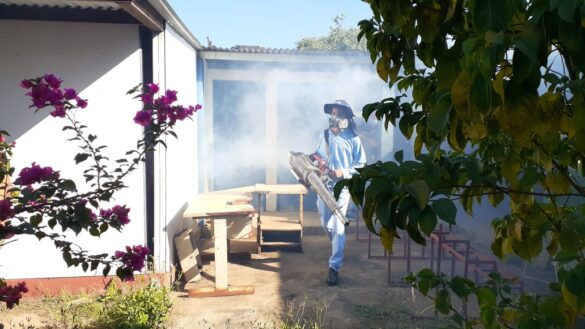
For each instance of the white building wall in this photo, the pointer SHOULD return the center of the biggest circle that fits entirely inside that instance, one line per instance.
(102, 61)
(176, 166)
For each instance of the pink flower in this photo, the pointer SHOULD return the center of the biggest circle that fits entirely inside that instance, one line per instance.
(152, 88)
(69, 93)
(35, 174)
(59, 112)
(2, 139)
(171, 95)
(143, 118)
(52, 80)
(45, 91)
(6, 210)
(26, 84)
(12, 294)
(81, 103)
(146, 98)
(132, 260)
(119, 213)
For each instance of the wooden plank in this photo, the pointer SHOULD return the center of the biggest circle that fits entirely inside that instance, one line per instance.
(208, 205)
(239, 190)
(206, 210)
(188, 256)
(243, 245)
(281, 189)
(274, 223)
(213, 292)
(222, 197)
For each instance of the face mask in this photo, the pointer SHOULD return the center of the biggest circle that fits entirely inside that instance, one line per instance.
(338, 122)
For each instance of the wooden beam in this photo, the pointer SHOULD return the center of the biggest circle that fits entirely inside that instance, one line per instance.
(214, 292)
(144, 13)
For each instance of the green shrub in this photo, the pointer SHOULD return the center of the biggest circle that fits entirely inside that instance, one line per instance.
(140, 308)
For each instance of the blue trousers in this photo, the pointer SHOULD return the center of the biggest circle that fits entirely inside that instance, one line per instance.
(334, 228)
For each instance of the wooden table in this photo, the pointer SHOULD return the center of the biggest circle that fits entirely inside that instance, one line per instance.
(276, 189)
(220, 207)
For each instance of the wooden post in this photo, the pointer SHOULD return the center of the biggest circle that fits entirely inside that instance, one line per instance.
(301, 212)
(221, 266)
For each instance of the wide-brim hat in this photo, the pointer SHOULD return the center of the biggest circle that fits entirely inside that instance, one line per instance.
(340, 104)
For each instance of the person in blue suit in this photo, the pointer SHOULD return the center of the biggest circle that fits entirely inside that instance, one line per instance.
(343, 152)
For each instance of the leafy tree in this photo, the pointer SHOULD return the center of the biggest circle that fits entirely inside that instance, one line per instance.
(501, 83)
(339, 38)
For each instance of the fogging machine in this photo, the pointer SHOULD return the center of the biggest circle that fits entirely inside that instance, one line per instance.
(308, 174)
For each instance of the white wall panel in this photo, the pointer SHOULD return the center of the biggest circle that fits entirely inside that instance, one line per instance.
(102, 61)
(177, 165)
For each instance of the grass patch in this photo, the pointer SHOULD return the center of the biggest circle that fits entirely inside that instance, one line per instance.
(139, 307)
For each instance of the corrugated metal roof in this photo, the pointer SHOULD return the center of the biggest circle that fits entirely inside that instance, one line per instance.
(100, 5)
(283, 51)
(162, 7)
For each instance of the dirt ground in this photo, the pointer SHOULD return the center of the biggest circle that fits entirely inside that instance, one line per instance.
(291, 285)
(290, 288)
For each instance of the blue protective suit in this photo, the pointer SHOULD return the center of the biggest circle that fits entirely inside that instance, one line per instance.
(346, 152)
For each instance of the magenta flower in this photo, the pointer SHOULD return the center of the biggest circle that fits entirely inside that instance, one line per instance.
(171, 95)
(26, 84)
(146, 98)
(119, 213)
(6, 210)
(152, 88)
(69, 93)
(132, 260)
(81, 103)
(35, 174)
(52, 80)
(59, 112)
(143, 118)
(45, 91)
(2, 139)
(12, 294)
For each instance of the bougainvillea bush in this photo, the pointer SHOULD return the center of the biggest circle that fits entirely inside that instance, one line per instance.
(40, 202)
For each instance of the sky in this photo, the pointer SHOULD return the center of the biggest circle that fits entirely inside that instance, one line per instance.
(268, 23)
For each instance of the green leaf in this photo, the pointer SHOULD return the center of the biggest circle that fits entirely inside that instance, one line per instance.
(67, 258)
(486, 297)
(439, 116)
(443, 302)
(462, 287)
(94, 231)
(68, 185)
(399, 155)
(491, 15)
(405, 126)
(446, 210)
(387, 238)
(566, 256)
(427, 221)
(36, 220)
(420, 190)
(567, 10)
(106, 270)
(496, 198)
(80, 157)
(415, 234)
